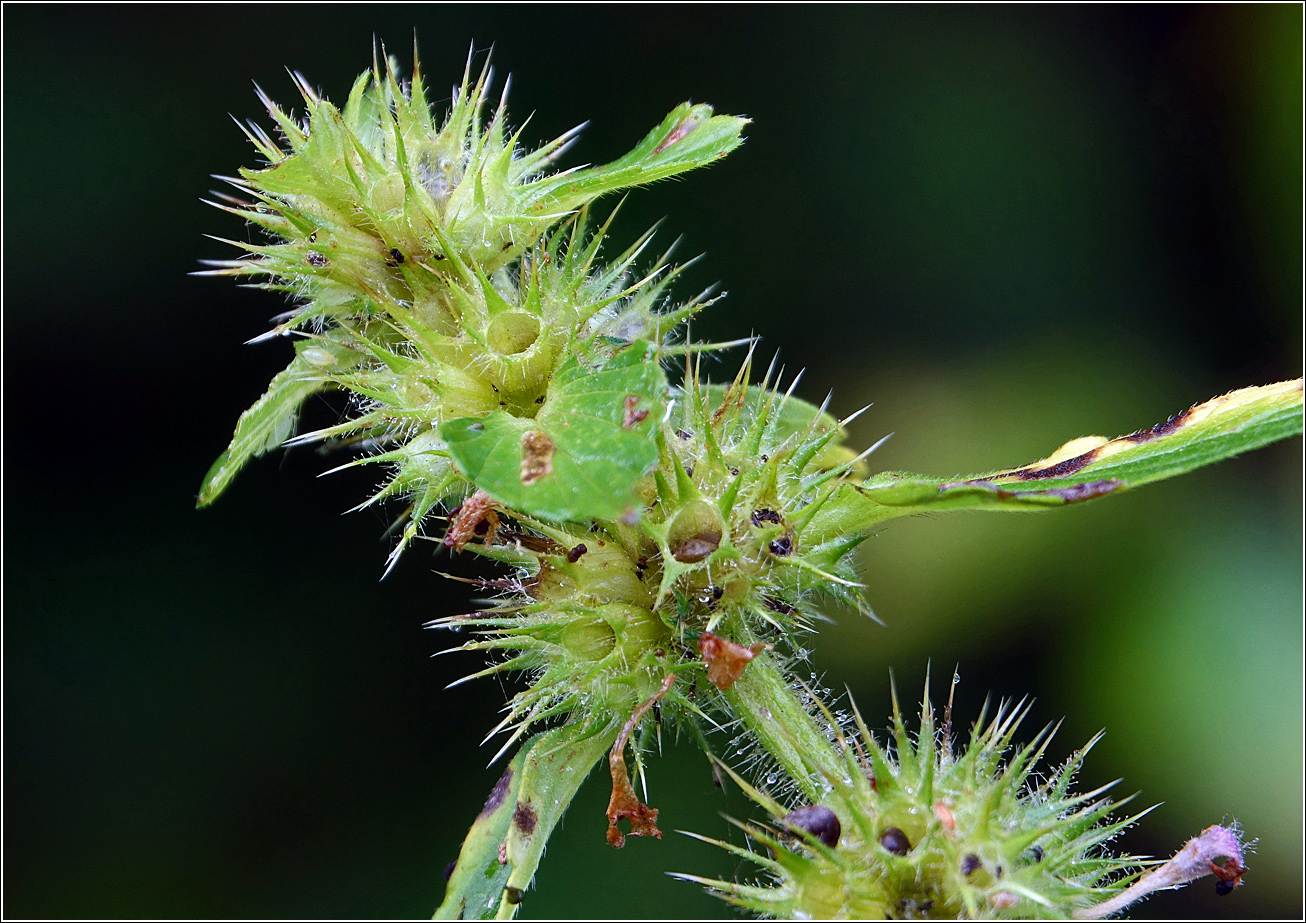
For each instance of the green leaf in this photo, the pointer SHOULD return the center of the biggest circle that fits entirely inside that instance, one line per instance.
(689, 137)
(475, 888)
(272, 418)
(554, 770)
(1086, 468)
(506, 841)
(582, 455)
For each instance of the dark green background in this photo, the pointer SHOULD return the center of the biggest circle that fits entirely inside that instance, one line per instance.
(1006, 226)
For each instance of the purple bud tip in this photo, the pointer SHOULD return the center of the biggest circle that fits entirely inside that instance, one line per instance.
(895, 841)
(818, 821)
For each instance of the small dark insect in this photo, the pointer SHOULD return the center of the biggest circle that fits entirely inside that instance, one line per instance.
(970, 863)
(684, 436)
(1038, 853)
(716, 596)
(895, 841)
(761, 516)
(574, 555)
(448, 869)
(820, 822)
(514, 895)
(782, 546)
(316, 259)
(540, 399)
(395, 257)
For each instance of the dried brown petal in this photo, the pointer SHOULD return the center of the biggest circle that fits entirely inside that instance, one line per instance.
(624, 802)
(475, 516)
(725, 659)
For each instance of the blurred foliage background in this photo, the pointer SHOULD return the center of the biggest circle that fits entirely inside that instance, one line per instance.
(1006, 226)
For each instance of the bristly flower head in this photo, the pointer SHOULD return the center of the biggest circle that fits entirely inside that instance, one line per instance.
(431, 281)
(919, 831)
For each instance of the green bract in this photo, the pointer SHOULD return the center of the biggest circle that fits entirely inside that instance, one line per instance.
(581, 454)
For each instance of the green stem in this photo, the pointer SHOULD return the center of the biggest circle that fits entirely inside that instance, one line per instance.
(767, 705)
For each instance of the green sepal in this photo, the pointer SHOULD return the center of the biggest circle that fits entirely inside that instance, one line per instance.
(581, 456)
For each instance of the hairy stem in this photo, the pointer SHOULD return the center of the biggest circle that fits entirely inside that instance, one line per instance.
(766, 704)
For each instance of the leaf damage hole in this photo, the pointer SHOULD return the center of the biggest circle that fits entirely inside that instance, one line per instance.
(536, 456)
(631, 416)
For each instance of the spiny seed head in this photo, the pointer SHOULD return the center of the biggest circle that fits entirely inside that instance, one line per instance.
(929, 832)
(742, 472)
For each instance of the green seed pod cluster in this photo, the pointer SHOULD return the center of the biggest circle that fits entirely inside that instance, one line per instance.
(743, 472)
(920, 831)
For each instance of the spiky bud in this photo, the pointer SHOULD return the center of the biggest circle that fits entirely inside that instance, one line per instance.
(922, 831)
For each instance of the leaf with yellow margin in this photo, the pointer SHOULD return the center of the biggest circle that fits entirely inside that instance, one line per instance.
(1084, 468)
